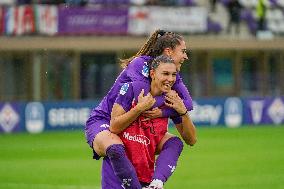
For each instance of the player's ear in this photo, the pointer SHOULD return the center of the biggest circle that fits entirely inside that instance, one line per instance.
(152, 74)
(167, 51)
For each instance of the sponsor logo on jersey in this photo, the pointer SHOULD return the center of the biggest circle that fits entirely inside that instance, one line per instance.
(124, 88)
(137, 138)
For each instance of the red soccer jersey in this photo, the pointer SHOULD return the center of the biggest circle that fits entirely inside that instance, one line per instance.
(141, 139)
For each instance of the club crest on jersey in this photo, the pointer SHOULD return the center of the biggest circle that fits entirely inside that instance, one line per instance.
(145, 70)
(124, 88)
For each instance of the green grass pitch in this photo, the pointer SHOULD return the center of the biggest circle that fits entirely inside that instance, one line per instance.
(249, 157)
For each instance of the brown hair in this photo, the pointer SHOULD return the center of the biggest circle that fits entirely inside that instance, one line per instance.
(161, 59)
(155, 45)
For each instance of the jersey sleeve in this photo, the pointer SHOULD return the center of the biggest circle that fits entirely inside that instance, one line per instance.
(138, 70)
(125, 96)
(177, 120)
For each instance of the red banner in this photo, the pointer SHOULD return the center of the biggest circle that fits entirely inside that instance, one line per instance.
(20, 20)
(1, 20)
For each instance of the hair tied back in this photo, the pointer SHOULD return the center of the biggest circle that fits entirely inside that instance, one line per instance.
(161, 32)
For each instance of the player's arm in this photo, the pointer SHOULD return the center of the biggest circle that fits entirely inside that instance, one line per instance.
(183, 122)
(187, 130)
(123, 115)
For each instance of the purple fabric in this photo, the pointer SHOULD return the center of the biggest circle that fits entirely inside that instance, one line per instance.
(109, 179)
(190, 2)
(122, 167)
(141, 72)
(131, 91)
(78, 20)
(109, 2)
(135, 71)
(177, 120)
(167, 160)
(95, 125)
(105, 107)
(213, 26)
(247, 16)
(125, 96)
(274, 2)
(103, 110)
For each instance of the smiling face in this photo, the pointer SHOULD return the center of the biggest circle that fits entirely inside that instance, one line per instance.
(178, 54)
(163, 78)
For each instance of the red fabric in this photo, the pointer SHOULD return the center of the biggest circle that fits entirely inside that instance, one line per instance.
(141, 139)
(1, 20)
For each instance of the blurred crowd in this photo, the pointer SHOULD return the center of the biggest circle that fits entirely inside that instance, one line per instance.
(255, 15)
(85, 2)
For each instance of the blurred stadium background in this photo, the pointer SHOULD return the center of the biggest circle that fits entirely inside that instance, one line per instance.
(58, 58)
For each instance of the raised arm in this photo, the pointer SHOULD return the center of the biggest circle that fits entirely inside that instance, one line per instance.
(123, 115)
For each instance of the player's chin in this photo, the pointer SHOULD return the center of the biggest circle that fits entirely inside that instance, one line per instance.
(166, 89)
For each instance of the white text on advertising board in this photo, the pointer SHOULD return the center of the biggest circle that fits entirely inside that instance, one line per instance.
(206, 113)
(68, 116)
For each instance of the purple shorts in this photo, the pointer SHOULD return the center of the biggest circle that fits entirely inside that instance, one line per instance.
(93, 127)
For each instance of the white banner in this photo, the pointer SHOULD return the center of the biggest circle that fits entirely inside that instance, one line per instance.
(144, 20)
(7, 2)
(47, 19)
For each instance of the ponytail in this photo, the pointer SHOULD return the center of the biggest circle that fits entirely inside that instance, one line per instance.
(146, 49)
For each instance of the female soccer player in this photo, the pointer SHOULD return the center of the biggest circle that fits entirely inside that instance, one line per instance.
(140, 135)
(101, 140)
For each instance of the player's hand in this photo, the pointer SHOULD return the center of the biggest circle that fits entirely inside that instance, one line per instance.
(145, 102)
(154, 113)
(174, 101)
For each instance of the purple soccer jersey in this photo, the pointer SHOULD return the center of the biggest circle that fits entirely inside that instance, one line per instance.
(99, 119)
(137, 70)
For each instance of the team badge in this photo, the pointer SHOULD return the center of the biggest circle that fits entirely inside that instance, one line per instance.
(124, 88)
(145, 70)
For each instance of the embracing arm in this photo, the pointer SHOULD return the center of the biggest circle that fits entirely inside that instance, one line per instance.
(120, 119)
(187, 130)
(183, 122)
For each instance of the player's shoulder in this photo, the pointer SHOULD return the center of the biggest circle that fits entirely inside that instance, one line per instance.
(140, 60)
(126, 88)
